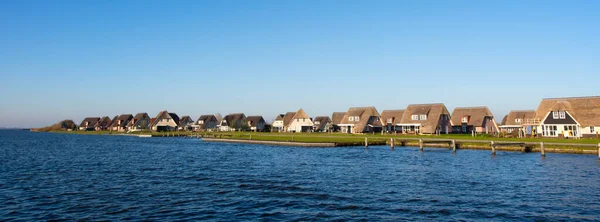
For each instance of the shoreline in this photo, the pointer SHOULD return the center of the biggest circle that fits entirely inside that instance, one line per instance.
(346, 140)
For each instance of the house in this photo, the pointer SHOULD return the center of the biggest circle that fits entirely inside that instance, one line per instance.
(300, 122)
(336, 119)
(513, 122)
(278, 123)
(390, 120)
(426, 119)
(361, 120)
(89, 123)
(256, 123)
(103, 124)
(112, 122)
(120, 123)
(473, 119)
(207, 122)
(234, 122)
(322, 124)
(185, 123)
(165, 121)
(140, 122)
(287, 118)
(573, 117)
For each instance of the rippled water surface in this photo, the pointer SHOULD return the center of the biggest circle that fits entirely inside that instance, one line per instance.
(52, 176)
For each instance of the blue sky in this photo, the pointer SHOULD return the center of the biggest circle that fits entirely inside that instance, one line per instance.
(71, 59)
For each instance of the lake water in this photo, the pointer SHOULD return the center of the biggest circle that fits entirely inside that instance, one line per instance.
(47, 176)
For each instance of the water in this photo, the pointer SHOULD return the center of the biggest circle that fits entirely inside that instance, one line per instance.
(53, 177)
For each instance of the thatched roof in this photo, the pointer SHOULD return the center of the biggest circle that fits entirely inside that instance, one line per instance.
(124, 120)
(166, 115)
(279, 117)
(206, 118)
(92, 121)
(476, 115)
(234, 118)
(104, 122)
(186, 120)
(287, 118)
(433, 112)
(321, 120)
(518, 114)
(585, 110)
(504, 120)
(253, 121)
(368, 116)
(337, 117)
(394, 115)
(139, 117)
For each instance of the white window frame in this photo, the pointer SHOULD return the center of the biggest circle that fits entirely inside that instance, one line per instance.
(200, 121)
(351, 118)
(422, 117)
(592, 129)
(357, 118)
(415, 117)
(517, 120)
(554, 115)
(464, 119)
(562, 115)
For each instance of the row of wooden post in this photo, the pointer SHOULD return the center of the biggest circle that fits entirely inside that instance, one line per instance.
(453, 146)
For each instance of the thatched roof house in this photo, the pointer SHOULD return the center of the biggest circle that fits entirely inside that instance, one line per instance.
(233, 121)
(120, 123)
(206, 122)
(322, 124)
(165, 121)
(391, 118)
(516, 118)
(469, 119)
(103, 124)
(426, 119)
(569, 117)
(256, 123)
(185, 123)
(140, 121)
(361, 120)
(89, 123)
(299, 122)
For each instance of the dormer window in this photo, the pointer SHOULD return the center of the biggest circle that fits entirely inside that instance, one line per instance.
(317, 122)
(465, 119)
(562, 115)
(351, 118)
(555, 115)
(517, 120)
(389, 120)
(356, 118)
(415, 117)
(423, 117)
(200, 121)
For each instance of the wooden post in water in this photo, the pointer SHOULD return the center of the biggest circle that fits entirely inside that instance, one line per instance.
(598, 150)
(542, 149)
(366, 142)
(493, 148)
(453, 145)
(250, 136)
(392, 145)
(421, 144)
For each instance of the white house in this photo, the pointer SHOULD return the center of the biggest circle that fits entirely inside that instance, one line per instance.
(300, 122)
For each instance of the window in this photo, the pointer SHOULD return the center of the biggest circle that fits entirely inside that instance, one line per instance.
(303, 119)
(297, 120)
(389, 120)
(356, 118)
(351, 118)
(423, 117)
(415, 117)
(200, 121)
(561, 115)
(517, 120)
(465, 119)
(555, 115)
(317, 122)
(592, 129)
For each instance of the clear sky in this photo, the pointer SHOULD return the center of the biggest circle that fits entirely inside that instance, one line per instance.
(71, 59)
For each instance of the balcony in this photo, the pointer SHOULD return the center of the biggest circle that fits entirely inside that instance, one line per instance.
(533, 122)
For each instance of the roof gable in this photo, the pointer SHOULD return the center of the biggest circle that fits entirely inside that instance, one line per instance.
(585, 110)
(475, 115)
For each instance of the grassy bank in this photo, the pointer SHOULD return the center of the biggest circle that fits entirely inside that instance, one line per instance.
(467, 141)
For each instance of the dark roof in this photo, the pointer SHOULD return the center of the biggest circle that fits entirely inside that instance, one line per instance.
(140, 117)
(124, 118)
(90, 120)
(254, 120)
(185, 120)
(104, 122)
(175, 118)
(279, 117)
(321, 120)
(166, 115)
(233, 118)
(207, 117)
